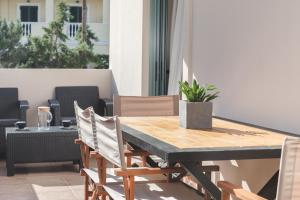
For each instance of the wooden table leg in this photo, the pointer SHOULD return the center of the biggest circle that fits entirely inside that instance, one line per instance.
(198, 174)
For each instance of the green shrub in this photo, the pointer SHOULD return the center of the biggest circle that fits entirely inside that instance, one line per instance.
(12, 52)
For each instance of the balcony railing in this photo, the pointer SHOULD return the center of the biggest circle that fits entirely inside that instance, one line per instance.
(72, 29)
(27, 28)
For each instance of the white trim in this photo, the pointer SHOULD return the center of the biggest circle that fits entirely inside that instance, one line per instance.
(28, 4)
(80, 5)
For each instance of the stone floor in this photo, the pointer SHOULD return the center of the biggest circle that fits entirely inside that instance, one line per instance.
(47, 181)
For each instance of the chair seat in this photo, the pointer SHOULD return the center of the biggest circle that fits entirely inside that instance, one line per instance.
(8, 122)
(111, 178)
(154, 191)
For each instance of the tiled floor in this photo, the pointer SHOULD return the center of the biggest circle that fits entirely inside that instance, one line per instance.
(47, 181)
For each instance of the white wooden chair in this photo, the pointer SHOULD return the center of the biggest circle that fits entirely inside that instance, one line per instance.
(87, 141)
(147, 106)
(110, 149)
(141, 106)
(289, 176)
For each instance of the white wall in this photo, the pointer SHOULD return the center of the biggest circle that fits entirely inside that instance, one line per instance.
(129, 46)
(250, 50)
(37, 85)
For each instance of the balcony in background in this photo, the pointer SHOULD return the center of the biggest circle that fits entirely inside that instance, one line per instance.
(101, 30)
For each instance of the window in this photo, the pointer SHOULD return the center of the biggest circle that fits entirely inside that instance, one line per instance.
(29, 13)
(76, 13)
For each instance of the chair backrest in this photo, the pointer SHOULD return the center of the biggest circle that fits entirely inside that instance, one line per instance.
(85, 126)
(289, 174)
(9, 103)
(85, 96)
(109, 142)
(130, 106)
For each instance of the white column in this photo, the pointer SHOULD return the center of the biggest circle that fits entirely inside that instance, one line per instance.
(128, 57)
(49, 10)
(187, 71)
(106, 11)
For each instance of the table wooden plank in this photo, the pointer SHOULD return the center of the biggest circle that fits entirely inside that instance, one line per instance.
(224, 134)
(227, 140)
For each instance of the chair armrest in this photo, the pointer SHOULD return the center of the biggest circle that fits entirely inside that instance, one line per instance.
(108, 106)
(137, 152)
(23, 106)
(55, 110)
(78, 141)
(147, 170)
(94, 154)
(231, 189)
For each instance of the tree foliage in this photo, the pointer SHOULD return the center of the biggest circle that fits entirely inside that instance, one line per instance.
(49, 50)
(12, 51)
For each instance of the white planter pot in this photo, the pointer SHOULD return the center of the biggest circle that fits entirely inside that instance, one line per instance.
(195, 115)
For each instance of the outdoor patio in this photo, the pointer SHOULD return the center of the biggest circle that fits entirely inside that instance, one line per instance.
(149, 100)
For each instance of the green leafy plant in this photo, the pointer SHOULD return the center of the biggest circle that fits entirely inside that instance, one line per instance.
(198, 93)
(12, 51)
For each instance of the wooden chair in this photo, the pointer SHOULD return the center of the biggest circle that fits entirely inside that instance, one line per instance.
(140, 106)
(289, 176)
(110, 149)
(86, 140)
(137, 106)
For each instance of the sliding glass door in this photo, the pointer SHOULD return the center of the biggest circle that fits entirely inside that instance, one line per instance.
(159, 47)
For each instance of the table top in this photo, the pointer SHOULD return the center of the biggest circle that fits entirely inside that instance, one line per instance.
(226, 140)
(52, 129)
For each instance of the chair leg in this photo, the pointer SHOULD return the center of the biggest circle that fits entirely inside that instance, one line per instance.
(126, 188)
(103, 197)
(86, 187)
(94, 195)
(128, 161)
(144, 161)
(225, 196)
(131, 185)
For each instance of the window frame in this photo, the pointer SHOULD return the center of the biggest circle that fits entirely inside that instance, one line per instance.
(29, 4)
(71, 13)
(80, 5)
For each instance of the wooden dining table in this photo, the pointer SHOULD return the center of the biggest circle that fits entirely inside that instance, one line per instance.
(227, 140)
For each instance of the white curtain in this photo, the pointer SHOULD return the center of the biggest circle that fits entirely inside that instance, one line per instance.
(177, 43)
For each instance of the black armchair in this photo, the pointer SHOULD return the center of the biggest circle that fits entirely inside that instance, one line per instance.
(62, 107)
(11, 110)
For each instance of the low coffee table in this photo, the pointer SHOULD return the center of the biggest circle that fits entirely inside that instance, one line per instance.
(33, 145)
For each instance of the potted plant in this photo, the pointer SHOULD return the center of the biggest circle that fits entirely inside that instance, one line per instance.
(196, 111)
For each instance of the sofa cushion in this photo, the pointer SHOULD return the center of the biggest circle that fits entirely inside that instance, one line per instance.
(86, 96)
(9, 108)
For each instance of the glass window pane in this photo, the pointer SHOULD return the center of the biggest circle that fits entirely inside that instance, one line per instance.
(29, 13)
(76, 13)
